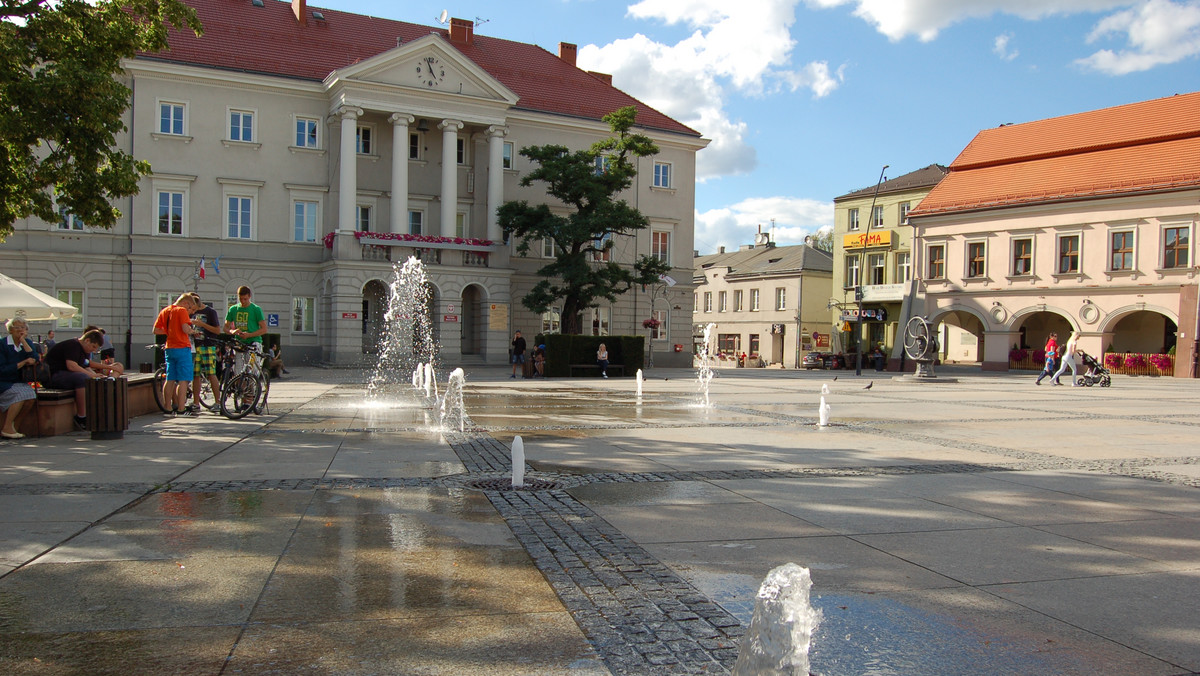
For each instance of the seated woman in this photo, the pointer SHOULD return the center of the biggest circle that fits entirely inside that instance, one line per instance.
(539, 361)
(15, 354)
(275, 362)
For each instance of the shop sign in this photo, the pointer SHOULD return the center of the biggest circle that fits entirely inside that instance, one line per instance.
(868, 315)
(777, 329)
(860, 240)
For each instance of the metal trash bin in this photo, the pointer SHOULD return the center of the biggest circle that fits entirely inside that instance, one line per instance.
(107, 407)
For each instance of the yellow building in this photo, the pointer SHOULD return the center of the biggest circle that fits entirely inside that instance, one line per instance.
(873, 252)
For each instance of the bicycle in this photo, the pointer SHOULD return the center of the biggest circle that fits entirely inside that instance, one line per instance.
(206, 398)
(246, 389)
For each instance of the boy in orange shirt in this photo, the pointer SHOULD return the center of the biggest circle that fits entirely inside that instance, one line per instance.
(175, 322)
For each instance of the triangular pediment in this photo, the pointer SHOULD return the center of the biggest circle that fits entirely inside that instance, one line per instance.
(429, 64)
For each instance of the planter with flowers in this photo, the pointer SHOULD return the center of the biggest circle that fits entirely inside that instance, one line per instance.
(422, 241)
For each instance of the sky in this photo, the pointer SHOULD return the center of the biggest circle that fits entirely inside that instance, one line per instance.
(807, 100)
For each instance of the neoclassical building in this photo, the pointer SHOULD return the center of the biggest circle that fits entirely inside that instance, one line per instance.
(302, 151)
(1084, 223)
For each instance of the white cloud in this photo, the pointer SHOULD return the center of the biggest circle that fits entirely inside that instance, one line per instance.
(1158, 32)
(898, 19)
(1000, 47)
(736, 225)
(745, 47)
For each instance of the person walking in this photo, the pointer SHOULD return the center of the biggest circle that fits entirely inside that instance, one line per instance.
(1068, 360)
(1051, 355)
(175, 322)
(518, 353)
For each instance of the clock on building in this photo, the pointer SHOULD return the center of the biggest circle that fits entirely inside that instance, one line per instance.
(430, 72)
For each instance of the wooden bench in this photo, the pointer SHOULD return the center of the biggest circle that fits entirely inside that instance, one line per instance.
(615, 369)
(54, 410)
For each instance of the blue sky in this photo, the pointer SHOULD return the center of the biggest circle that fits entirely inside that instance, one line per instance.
(806, 100)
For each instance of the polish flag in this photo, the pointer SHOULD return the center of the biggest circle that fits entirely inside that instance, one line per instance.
(202, 267)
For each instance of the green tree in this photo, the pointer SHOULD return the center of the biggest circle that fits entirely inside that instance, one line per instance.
(586, 181)
(823, 239)
(62, 102)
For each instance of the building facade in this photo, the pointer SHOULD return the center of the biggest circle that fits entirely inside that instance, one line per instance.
(303, 152)
(1079, 224)
(766, 302)
(873, 252)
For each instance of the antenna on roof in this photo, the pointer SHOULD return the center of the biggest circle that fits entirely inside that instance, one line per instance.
(480, 22)
(443, 16)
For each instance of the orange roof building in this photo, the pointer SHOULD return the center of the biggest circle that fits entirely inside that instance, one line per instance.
(309, 149)
(1083, 223)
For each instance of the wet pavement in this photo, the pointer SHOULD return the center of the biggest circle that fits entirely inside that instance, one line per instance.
(983, 526)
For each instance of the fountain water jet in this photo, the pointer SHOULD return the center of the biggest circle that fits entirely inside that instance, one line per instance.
(518, 462)
(704, 373)
(639, 383)
(823, 413)
(780, 632)
(407, 338)
(452, 407)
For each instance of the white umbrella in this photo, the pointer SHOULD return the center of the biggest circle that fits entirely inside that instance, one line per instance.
(26, 302)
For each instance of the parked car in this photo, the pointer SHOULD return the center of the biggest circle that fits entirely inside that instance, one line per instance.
(818, 360)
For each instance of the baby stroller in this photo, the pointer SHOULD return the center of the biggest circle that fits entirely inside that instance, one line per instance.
(1096, 373)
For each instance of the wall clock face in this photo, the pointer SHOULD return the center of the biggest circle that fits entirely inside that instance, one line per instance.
(430, 72)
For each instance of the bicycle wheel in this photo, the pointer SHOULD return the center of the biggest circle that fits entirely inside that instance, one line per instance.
(239, 396)
(160, 378)
(261, 408)
(206, 399)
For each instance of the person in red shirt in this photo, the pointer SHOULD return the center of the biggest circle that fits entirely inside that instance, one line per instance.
(1051, 357)
(175, 322)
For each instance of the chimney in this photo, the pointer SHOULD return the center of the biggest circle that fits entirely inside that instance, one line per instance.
(301, 11)
(720, 249)
(567, 51)
(462, 31)
(606, 78)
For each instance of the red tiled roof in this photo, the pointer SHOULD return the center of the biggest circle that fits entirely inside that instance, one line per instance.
(269, 40)
(1142, 147)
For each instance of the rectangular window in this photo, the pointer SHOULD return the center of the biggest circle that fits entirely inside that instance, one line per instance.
(877, 216)
(304, 221)
(460, 224)
(1022, 257)
(601, 164)
(68, 220)
(548, 247)
(461, 150)
(754, 300)
(780, 298)
(164, 299)
(170, 213)
(1122, 251)
(507, 161)
(414, 146)
(241, 125)
(852, 219)
(905, 207)
(937, 261)
(737, 301)
(362, 217)
(1068, 254)
(722, 301)
(659, 332)
(903, 266)
(875, 268)
(853, 277)
(729, 344)
(976, 259)
(73, 297)
(304, 317)
(239, 217)
(415, 222)
(306, 132)
(170, 118)
(754, 344)
(603, 252)
(552, 321)
(708, 301)
(660, 245)
(600, 321)
(362, 140)
(1175, 247)
(662, 175)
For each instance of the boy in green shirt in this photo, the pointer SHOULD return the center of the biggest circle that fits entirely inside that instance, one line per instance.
(246, 320)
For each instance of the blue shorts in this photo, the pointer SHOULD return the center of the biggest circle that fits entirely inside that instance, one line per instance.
(518, 358)
(179, 363)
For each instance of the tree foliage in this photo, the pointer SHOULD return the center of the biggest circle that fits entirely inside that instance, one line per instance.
(823, 239)
(62, 102)
(587, 183)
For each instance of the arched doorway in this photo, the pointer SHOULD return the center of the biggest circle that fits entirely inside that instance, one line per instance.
(1036, 327)
(472, 337)
(960, 337)
(374, 304)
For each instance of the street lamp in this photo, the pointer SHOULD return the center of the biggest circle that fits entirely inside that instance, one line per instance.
(862, 262)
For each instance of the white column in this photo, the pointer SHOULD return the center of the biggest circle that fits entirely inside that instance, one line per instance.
(495, 186)
(400, 124)
(450, 130)
(348, 183)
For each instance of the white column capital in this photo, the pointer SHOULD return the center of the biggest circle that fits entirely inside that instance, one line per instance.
(401, 119)
(350, 112)
(451, 125)
(497, 130)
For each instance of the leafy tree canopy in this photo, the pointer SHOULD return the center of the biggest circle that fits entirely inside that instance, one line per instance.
(823, 239)
(587, 182)
(61, 103)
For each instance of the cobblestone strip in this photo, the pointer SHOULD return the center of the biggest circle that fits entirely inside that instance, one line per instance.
(640, 616)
